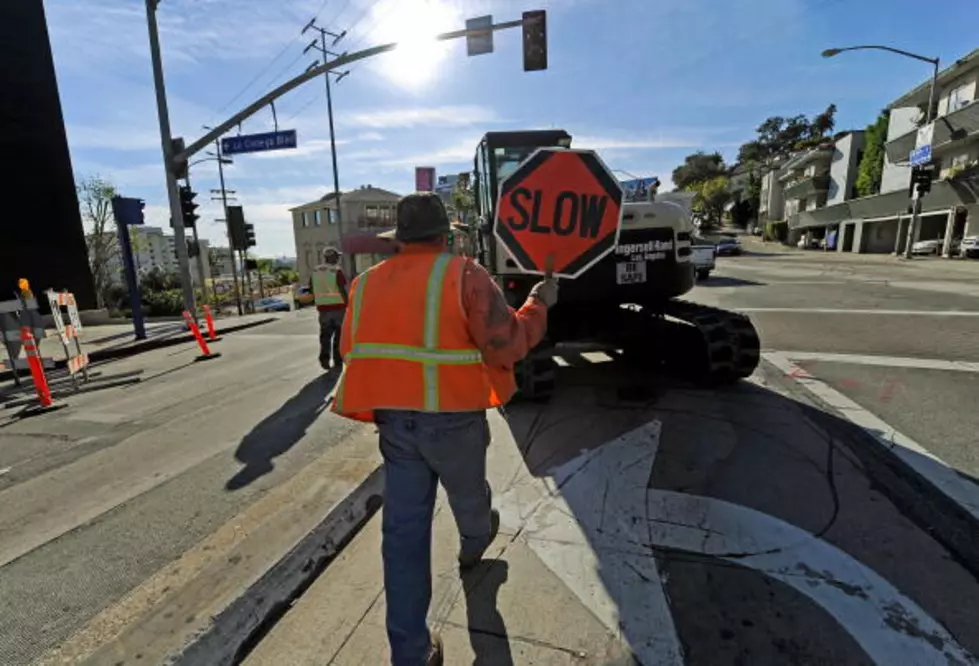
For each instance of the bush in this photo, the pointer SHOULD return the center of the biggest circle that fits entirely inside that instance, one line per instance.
(776, 231)
(163, 303)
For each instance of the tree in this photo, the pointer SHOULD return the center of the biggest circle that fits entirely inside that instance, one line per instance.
(697, 168)
(708, 205)
(462, 202)
(95, 199)
(823, 123)
(871, 167)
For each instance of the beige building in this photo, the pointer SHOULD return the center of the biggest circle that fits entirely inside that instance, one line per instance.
(365, 212)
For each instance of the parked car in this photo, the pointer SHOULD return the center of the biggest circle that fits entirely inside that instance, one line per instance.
(931, 246)
(272, 304)
(302, 296)
(969, 247)
(728, 245)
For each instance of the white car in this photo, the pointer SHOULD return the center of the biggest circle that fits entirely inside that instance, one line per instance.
(969, 247)
(933, 246)
(703, 254)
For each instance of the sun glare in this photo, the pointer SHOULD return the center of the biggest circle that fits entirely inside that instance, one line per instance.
(413, 24)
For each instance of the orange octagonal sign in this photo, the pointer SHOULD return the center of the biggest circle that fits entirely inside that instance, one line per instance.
(562, 203)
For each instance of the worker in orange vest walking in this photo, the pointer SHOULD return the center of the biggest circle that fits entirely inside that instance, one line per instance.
(330, 296)
(430, 344)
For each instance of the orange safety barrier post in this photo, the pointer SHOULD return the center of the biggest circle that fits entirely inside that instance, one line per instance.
(45, 402)
(77, 362)
(195, 329)
(209, 320)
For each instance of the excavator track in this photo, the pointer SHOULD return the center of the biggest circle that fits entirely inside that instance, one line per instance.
(729, 347)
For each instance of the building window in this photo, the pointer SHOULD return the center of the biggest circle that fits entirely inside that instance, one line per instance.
(305, 218)
(317, 218)
(958, 98)
(331, 215)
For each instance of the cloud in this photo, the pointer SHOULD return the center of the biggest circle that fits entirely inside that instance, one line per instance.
(443, 116)
(607, 143)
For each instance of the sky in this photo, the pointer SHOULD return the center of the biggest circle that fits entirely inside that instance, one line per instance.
(643, 82)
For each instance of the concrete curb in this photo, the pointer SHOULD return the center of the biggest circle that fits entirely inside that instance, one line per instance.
(240, 626)
(145, 346)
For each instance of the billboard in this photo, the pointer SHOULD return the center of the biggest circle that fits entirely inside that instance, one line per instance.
(424, 179)
(444, 186)
(637, 189)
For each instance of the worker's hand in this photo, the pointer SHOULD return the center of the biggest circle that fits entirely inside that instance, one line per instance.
(545, 291)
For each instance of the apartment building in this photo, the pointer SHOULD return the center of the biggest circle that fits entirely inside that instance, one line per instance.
(364, 212)
(155, 250)
(879, 223)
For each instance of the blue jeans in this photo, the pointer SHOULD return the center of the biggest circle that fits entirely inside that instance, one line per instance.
(420, 449)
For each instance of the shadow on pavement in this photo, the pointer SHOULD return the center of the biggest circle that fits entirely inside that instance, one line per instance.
(768, 452)
(489, 642)
(722, 281)
(279, 432)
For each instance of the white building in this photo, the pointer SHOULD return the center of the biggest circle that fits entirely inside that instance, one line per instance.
(153, 249)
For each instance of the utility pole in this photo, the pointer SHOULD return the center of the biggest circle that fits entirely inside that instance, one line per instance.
(169, 153)
(227, 224)
(321, 47)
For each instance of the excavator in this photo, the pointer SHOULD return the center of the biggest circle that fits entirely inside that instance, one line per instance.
(629, 300)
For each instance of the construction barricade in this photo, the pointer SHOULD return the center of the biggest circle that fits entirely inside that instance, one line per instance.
(14, 315)
(77, 361)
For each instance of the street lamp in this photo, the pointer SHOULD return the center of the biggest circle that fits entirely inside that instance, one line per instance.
(222, 160)
(829, 53)
(916, 203)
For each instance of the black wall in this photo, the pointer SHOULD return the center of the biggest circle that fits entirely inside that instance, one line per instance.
(41, 236)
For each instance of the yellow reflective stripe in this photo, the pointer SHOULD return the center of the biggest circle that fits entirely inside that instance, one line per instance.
(356, 298)
(433, 310)
(417, 354)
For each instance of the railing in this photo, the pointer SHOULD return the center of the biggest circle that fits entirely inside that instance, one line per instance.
(951, 127)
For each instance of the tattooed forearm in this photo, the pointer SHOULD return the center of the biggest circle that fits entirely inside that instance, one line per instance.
(498, 342)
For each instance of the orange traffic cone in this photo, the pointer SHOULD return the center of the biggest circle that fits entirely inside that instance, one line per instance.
(206, 353)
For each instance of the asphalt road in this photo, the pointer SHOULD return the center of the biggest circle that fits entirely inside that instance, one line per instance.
(96, 499)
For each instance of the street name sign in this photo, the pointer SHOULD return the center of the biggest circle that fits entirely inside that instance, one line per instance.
(920, 155)
(256, 143)
(562, 206)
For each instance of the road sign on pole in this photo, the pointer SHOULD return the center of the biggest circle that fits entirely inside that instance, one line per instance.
(920, 155)
(559, 203)
(256, 143)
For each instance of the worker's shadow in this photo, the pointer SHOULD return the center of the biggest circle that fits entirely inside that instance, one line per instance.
(279, 431)
(487, 630)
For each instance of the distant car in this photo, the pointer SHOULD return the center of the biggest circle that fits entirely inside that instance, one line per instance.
(969, 247)
(727, 246)
(303, 296)
(932, 246)
(271, 304)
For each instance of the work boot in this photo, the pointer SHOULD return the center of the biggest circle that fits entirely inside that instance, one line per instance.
(469, 560)
(325, 363)
(435, 651)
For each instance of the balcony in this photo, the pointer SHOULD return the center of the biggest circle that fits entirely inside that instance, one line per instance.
(820, 154)
(949, 129)
(806, 187)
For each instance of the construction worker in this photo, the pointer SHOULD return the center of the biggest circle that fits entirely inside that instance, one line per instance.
(329, 287)
(430, 344)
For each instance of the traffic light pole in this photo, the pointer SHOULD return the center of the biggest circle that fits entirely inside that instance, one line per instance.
(913, 223)
(227, 222)
(169, 163)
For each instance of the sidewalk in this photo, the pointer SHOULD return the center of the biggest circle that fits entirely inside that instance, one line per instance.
(697, 530)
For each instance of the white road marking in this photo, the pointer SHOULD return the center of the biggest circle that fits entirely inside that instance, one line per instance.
(901, 313)
(885, 361)
(936, 471)
(600, 500)
(5, 470)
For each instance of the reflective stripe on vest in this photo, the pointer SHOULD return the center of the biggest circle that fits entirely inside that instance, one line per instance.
(326, 291)
(429, 356)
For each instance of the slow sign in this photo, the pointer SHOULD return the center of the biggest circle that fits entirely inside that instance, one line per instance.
(561, 203)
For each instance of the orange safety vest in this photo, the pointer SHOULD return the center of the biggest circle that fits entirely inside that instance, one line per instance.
(411, 348)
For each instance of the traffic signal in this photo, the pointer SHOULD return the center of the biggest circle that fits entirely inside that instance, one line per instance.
(127, 210)
(187, 206)
(251, 264)
(534, 40)
(236, 227)
(249, 235)
(193, 249)
(920, 181)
